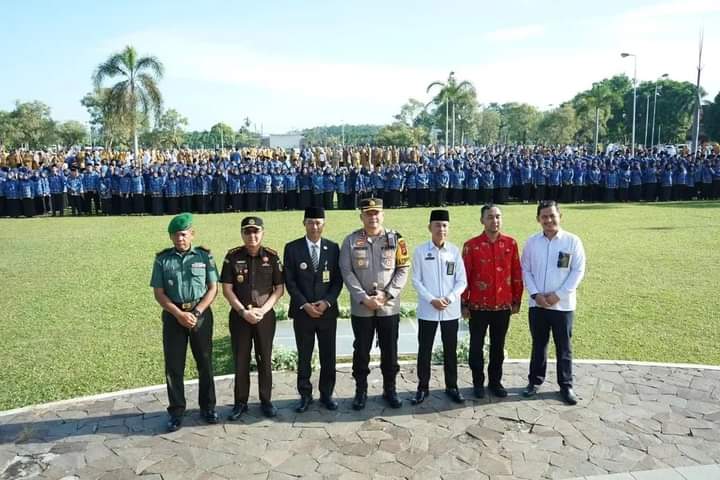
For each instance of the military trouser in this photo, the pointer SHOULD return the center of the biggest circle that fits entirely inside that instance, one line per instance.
(364, 331)
(175, 340)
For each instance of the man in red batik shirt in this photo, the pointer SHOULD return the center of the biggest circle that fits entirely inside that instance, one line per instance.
(494, 292)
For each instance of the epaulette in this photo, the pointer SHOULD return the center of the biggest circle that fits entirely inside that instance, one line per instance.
(236, 249)
(162, 252)
(204, 248)
(272, 252)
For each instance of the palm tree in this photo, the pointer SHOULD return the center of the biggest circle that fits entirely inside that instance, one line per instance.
(138, 90)
(452, 92)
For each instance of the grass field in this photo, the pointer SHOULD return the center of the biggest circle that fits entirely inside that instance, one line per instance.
(79, 316)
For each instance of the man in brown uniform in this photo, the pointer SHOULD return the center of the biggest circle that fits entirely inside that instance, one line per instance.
(252, 282)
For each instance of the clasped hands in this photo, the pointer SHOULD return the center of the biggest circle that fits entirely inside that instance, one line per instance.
(546, 300)
(376, 301)
(315, 309)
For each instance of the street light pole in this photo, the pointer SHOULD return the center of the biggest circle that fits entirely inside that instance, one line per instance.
(625, 55)
(652, 134)
(647, 118)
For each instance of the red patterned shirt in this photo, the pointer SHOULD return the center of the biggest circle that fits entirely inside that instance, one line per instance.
(493, 273)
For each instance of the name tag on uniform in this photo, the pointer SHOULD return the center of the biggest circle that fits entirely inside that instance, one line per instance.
(563, 260)
(450, 268)
(326, 276)
(198, 265)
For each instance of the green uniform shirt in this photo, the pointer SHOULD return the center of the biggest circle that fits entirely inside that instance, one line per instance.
(184, 278)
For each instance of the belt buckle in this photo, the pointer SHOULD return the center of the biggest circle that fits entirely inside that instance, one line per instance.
(186, 306)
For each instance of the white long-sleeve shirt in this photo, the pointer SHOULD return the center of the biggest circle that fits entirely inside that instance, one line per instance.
(556, 265)
(438, 273)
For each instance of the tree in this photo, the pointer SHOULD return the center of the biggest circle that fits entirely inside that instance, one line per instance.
(169, 132)
(674, 110)
(7, 130)
(456, 101)
(488, 126)
(222, 135)
(593, 109)
(519, 123)
(558, 126)
(711, 118)
(400, 135)
(32, 125)
(138, 90)
(72, 133)
(108, 126)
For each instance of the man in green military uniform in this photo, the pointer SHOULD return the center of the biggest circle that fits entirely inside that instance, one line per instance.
(374, 262)
(252, 282)
(184, 281)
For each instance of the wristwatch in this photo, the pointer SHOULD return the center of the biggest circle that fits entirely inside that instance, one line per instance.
(196, 312)
(533, 296)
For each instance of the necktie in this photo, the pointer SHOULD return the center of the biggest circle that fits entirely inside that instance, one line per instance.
(315, 257)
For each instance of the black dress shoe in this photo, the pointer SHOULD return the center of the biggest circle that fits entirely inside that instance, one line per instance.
(268, 410)
(454, 395)
(479, 392)
(498, 390)
(568, 396)
(210, 416)
(305, 402)
(174, 424)
(419, 397)
(237, 411)
(329, 403)
(530, 391)
(359, 400)
(392, 399)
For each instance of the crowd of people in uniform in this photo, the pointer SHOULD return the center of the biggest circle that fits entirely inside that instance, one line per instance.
(99, 183)
(483, 281)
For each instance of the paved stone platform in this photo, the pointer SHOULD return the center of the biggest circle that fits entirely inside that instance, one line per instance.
(634, 421)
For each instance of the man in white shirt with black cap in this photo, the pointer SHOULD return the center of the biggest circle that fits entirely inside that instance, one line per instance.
(553, 265)
(438, 274)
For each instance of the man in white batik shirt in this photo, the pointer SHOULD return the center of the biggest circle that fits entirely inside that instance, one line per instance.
(438, 275)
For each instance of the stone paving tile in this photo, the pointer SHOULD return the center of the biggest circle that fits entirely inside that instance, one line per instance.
(633, 422)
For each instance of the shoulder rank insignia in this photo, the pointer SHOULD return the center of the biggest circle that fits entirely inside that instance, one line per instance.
(402, 257)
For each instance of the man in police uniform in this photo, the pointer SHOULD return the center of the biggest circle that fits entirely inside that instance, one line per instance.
(314, 281)
(184, 281)
(374, 262)
(252, 281)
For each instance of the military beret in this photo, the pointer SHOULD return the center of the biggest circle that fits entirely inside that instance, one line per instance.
(180, 222)
(251, 222)
(439, 216)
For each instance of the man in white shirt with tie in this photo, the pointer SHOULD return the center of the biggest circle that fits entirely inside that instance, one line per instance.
(553, 265)
(438, 275)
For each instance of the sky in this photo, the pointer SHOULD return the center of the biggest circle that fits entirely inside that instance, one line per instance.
(289, 65)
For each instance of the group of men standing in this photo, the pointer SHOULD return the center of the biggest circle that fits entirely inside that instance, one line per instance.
(482, 282)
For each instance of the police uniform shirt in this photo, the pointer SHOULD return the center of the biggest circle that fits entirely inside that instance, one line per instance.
(556, 265)
(184, 277)
(374, 263)
(438, 273)
(252, 278)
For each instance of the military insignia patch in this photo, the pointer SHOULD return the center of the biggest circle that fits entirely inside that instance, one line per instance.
(240, 278)
(401, 254)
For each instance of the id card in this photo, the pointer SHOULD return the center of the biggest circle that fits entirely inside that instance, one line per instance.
(326, 276)
(450, 268)
(563, 260)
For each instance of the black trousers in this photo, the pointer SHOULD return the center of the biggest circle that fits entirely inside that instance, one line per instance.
(243, 337)
(426, 337)
(305, 333)
(364, 329)
(542, 322)
(497, 322)
(58, 203)
(175, 340)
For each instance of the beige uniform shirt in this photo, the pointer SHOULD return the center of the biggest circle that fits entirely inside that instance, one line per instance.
(371, 264)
